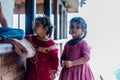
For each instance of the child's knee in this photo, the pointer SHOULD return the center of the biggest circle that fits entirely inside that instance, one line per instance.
(22, 33)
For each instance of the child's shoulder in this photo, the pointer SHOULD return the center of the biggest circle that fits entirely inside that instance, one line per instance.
(83, 41)
(29, 36)
(52, 41)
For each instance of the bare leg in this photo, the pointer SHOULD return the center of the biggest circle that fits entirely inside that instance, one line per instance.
(3, 20)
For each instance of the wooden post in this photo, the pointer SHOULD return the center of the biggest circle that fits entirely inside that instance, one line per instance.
(55, 12)
(47, 7)
(30, 11)
(65, 26)
(61, 22)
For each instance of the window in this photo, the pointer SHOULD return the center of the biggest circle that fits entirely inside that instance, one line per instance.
(19, 21)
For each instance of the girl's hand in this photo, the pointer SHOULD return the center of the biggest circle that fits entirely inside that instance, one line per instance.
(52, 75)
(63, 63)
(69, 64)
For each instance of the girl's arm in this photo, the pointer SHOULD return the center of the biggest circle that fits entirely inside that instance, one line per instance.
(63, 57)
(74, 63)
(3, 20)
(54, 62)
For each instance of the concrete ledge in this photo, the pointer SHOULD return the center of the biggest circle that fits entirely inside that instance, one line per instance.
(12, 66)
(5, 48)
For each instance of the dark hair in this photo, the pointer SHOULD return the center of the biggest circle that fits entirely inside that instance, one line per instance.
(45, 21)
(80, 22)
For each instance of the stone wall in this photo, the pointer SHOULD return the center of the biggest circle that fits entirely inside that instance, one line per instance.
(12, 66)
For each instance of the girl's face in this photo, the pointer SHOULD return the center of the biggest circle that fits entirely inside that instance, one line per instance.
(39, 29)
(75, 30)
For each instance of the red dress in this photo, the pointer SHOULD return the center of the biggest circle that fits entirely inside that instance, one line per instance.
(81, 51)
(46, 59)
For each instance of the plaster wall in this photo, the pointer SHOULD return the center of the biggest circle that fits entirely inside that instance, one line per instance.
(8, 8)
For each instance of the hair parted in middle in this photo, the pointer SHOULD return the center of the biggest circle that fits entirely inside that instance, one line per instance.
(81, 22)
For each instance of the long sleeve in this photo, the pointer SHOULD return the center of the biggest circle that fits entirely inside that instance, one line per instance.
(63, 57)
(85, 51)
(54, 59)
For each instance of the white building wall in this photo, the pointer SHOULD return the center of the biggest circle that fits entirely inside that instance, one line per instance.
(103, 18)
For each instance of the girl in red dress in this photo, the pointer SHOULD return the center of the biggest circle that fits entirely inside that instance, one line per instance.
(44, 65)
